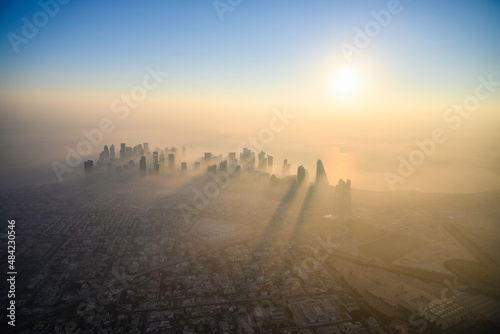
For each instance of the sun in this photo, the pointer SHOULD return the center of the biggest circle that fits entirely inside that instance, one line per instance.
(346, 83)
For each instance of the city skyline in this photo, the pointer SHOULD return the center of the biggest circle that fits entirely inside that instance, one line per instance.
(250, 167)
(370, 77)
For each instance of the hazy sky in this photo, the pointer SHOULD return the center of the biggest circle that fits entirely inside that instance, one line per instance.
(226, 76)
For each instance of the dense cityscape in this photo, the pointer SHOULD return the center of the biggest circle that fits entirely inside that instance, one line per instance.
(226, 245)
(260, 167)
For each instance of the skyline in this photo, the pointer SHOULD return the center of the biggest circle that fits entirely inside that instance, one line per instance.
(226, 76)
(237, 166)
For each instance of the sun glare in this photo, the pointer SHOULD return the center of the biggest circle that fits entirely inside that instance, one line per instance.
(346, 83)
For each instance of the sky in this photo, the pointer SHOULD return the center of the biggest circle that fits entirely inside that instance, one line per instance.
(231, 63)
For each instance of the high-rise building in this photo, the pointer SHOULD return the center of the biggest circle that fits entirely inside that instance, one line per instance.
(208, 158)
(138, 151)
(270, 161)
(197, 165)
(183, 151)
(223, 166)
(321, 178)
(171, 161)
(262, 161)
(142, 166)
(103, 157)
(247, 158)
(106, 152)
(123, 150)
(343, 194)
(184, 166)
(112, 155)
(212, 169)
(157, 169)
(131, 166)
(285, 170)
(302, 175)
(146, 148)
(89, 167)
(155, 158)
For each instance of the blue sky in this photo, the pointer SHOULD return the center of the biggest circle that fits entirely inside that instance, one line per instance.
(259, 41)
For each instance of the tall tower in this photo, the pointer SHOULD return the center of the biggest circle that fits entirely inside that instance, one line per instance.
(106, 152)
(302, 175)
(171, 161)
(89, 167)
(321, 179)
(142, 166)
(208, 158)
(285, 170)
(155, 158)
(223, 166)
(123, 150)
(262, 161)
(112, 155)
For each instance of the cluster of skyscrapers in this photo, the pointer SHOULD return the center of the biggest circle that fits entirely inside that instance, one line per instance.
(160, 161)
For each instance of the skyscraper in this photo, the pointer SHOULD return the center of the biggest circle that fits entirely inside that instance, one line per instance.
(171, 161)
(112, 155)
(123, 150)
(302, 175)
(106, 152)
(343, 194)
(208, 157)
(247, 158)
(142, 166)
(321, 178)
(262, 161)
(184, 167)
(103, 156)
(285, 170)
(223, 166)
(270, 164)
(155, 158)
(89, 167)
